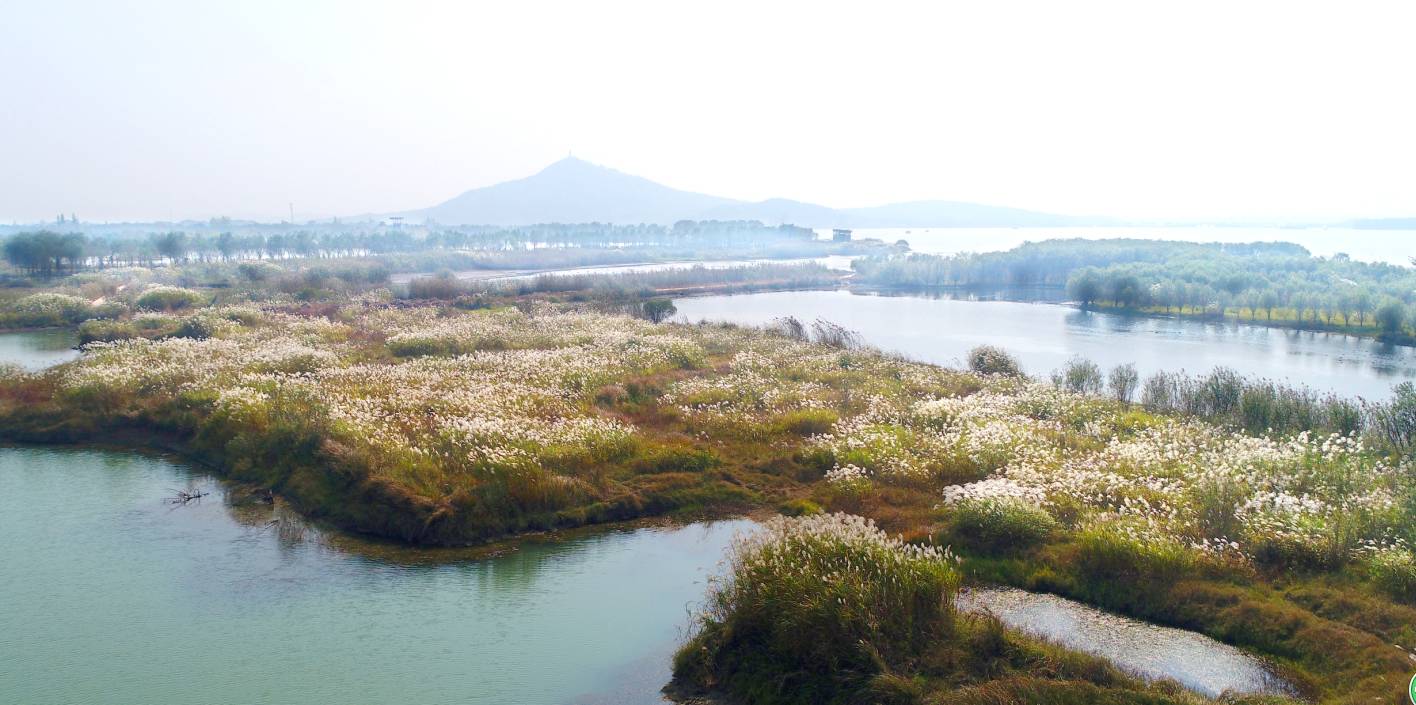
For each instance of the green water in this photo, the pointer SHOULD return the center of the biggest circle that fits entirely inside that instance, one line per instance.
(36, 350)
(113, 595)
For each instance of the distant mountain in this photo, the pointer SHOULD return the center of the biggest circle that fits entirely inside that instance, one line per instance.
(570, 191)
(576, 191)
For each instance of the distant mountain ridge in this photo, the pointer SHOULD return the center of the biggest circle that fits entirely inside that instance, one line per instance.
(575, 191)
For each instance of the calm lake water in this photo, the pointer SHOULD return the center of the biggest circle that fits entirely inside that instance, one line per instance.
(113, 595)
(36, 350)
(1045, 336)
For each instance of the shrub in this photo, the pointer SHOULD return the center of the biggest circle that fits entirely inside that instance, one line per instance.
(835, 335)
(789, 327)
(847, 487)
(241, 316)
(1217, 500)
(1122, 382)
(1079, 375)
(1001, 524)
(169, 298)
(1109, 554)
(676, 460)
(1343, 416)
(46, 309)
(807, 422)
(442, 286)
(800, 508)
(990, 360)
(1394, 571)
(657, 310)
(108, 309)
(1394, 422)
(812, 608)
(1221, 392)
(259, 271)
(1390, 316)
(152, 322)
(100, 330)
(197, 328)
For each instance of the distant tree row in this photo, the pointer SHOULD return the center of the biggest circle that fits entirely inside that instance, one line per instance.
(1052, 262)
(1280, 283)
(46, 252)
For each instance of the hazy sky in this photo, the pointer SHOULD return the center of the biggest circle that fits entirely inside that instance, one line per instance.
(142, 110)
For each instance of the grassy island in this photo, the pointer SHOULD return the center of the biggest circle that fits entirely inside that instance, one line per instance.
(459, 422)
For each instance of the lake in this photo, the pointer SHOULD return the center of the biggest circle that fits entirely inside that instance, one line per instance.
(36, 350)
(1044, 336)
(114, 595)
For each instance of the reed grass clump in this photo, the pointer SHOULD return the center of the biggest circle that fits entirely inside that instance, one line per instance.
(169, 298)
(813, 608)
(1126, 558)
(1394, 571)
(45, 309)
(992, 360)
(1001, 525)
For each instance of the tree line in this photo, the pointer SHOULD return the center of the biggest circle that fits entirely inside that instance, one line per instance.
(1280, 283)
(46, 252)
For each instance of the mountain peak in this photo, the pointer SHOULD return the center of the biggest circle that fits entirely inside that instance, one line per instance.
(574, 166)
(572, 190)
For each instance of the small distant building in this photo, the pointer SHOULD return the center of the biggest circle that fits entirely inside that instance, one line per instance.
(840, 235)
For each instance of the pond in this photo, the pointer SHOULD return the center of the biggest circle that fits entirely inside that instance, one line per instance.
(1152, 652)
(1044, 336)
(36, 350)
(117, 592)
(113, 594)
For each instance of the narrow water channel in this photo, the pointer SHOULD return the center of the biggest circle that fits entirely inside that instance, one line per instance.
(1193, 660)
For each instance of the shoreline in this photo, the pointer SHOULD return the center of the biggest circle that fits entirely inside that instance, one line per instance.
(1360, 334)
(173, 446)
